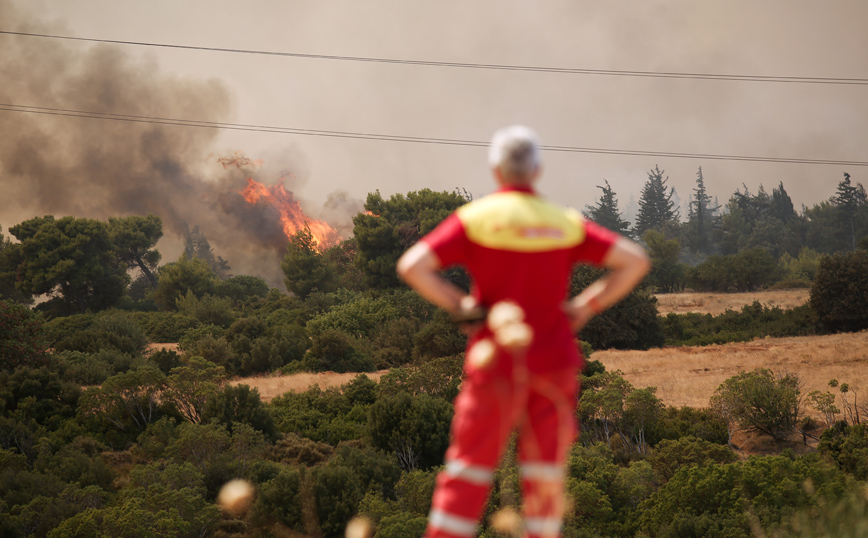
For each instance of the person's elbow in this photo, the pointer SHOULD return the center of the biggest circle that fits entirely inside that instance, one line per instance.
(416, 260)
(629, 257)
(643, 263)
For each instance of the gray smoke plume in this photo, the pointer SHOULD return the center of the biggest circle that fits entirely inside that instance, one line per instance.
(98, 168)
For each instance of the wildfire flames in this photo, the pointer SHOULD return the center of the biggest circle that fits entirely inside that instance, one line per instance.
(292, 217)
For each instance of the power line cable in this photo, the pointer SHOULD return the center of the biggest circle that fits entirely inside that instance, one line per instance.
(401, 138)
(500, 67)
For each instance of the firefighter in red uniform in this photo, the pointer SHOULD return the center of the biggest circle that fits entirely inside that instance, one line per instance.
(517, 247)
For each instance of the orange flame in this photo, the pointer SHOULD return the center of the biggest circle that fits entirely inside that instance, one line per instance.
(291, 215)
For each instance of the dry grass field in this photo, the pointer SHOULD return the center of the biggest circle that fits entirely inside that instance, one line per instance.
(717, 303)
(270, 387)
(684, 375)
(689, 375)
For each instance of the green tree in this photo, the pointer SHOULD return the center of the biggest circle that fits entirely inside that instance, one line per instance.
(702, 217)
(656, 208)
(631, 324)
(305, 267)
(239, 404)
(606, 212)
(189, 387)
(22, 338)
(803, 267)
(849, 201)
(73, 256)
(839, 295)
(782, 205)
(134, 239)
(208, 309)
(392, 226)
(848, 447)
(825, 231)
(760, 401)
(196, 245)
(670, 455)
(187, 273)
(340, 259)
(241, 287)
(824, 403)
(667, 273)
(415, 429)
(38, 394)
(128, 398)
(10, 259)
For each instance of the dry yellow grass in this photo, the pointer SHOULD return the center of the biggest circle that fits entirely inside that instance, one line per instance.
(689, 375)
(271, 387)
(717, 303)
(683, 375)
(162, 346)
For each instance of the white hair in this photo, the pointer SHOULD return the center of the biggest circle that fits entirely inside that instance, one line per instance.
(515, 152)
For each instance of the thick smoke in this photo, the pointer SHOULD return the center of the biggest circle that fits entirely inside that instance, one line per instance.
(99, 168)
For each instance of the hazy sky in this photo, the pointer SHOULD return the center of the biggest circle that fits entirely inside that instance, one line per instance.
(741, 37)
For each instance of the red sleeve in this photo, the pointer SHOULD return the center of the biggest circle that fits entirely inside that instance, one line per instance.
(598, 241)
(448, 241)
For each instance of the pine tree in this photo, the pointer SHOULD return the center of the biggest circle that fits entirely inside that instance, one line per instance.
(847, 201)
(196, 245)
(782, 204)
(700, 220)
(606, 212)
(656, 207)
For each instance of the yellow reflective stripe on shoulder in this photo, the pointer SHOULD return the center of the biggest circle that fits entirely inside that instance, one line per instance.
(521, 222)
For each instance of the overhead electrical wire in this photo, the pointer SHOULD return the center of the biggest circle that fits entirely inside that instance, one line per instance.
(463, 65)
(9, 107)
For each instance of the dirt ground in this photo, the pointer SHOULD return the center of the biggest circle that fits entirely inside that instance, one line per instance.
(717, 303)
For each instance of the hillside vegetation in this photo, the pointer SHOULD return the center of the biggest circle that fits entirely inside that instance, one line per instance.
(100, 436)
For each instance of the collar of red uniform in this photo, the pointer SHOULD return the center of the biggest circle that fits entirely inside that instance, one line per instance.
(517, 188)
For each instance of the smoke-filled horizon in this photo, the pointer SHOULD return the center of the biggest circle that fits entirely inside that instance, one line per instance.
(97, 168)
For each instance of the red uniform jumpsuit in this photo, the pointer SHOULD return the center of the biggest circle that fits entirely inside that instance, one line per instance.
(518, 247)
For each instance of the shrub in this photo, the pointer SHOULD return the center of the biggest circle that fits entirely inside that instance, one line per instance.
(415, 429)
(334, 350)
(22, 338)
(754, 320)
(839, 295)
(760, 401)
(191, 337)
(848, 447)
(746, 271)
(113, 331)
(208, 309)
(631, 324)
(241, 287)
(239, 404)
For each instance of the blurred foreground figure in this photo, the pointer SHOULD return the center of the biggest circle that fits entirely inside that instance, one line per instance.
(523, 360)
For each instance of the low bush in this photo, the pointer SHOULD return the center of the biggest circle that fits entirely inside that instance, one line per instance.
(752, 321)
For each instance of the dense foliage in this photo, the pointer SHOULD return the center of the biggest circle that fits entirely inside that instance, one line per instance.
(100, 436)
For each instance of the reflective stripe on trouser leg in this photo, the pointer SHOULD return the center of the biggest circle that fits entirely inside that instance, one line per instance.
(474, 474)
(543, 500)
(451, 524)
(544, 441)
(483, 419)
